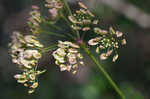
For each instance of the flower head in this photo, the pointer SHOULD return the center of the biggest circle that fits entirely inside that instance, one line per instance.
(26, 51)
(107, 42)
(54, 6)
(82, 19)
(67, 56)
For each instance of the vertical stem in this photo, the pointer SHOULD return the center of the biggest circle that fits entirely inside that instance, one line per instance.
(103, 71)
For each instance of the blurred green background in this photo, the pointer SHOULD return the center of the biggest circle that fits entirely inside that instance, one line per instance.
(131, 72)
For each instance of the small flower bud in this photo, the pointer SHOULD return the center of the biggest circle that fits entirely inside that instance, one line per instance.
(103, 56)
(119, 34)
(94, 41)
(82, 5)
(124, 42)
(34, 85)
(99, 31)
(31, 91)
(115, 57)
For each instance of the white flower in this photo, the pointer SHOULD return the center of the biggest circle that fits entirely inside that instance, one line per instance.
(36, 54)
(29, 38)
(53, 12)
(28, 54)
(115, 57)
(72, 61)
(34, 85)
(72, 50)
(109, 53)
(26, 51)
(119, 34)
(124, 42)
(95, 22)
(18, 76)
(31, 91)
(72, 19)
(82, 5)
(35, 7)
(79, 55)
(86, 29)
(86, 21)
(63, 67)
(97, 49)
(71, 55)
(103, 56)
(22, 80)
(61, 51)
(59, 58)
(32, 76)
(94, 41)
(25, 63)
(67, 56)
(100, 31)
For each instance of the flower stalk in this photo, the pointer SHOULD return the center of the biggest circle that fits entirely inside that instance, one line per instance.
(116, 88)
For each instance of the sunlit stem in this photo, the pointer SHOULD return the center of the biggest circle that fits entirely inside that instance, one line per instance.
(112, 83)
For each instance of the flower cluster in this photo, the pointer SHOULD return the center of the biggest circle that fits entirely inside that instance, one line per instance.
(35, 20)
(68, 57)
(29, 79)
(82, 19)
(26, 51)
(107, 42)
(54, 6)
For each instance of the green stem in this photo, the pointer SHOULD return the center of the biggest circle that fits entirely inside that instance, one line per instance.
(83, 35)
(70, 14)
(116, 88)
(55, 34)
(68, 34)
(67, 7)
(65, 19)
(49, 48)
(53, 25)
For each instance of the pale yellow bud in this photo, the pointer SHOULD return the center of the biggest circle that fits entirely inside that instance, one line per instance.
(34, 85)
(115, 57)
(103, 56)
(94, 41)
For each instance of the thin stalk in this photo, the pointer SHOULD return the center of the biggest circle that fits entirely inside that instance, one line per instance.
(54, 26)
(68, 23)
(65, 19)
(49, 48)
(116, 88)
(67, 7)
(83, 35)
(55, 34)
(60, 35)
(70, 14)
(68, 34)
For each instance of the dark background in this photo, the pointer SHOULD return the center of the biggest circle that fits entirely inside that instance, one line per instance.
(131, 72)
